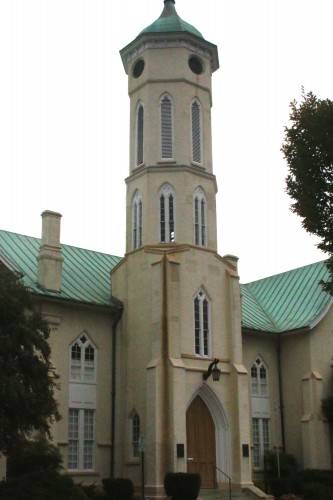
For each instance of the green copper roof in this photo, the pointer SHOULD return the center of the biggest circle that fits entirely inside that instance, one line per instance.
(85, 273)
(280, 303)
(169, 21)
(287, 301)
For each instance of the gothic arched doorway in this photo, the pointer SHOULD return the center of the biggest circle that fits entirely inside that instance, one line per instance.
(200, 430)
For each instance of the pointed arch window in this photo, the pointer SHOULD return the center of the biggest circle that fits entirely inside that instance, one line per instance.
(201, 324)
(139, 134)
(200, 231)
(83, 360)
(135, 435)
(167, 211)
(137, 220)
(259, 378)
(166, 115)
(196, 126)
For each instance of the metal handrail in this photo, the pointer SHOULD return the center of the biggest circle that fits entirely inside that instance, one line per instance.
(226, 475)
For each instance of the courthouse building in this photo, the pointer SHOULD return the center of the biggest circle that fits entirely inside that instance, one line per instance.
(138, 341)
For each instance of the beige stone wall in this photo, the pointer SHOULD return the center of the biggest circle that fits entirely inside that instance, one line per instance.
(167, 70)
(306, 359)
(306, 365)
(161, 392)
(67, 323)
(184, 183)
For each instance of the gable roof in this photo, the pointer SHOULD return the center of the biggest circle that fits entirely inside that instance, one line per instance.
(85, 273)
(286, 301)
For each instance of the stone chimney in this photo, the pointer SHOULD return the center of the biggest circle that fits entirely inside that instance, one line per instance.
(49, 257)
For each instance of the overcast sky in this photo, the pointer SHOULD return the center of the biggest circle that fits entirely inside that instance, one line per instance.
(64, 115)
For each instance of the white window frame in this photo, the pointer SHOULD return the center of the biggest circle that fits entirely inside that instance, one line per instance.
(139, 135)
(202, 321)
(81, 365)
(167, 223)
(81, 439)
(135, 435)
(259, 378)
(166, 121)
(200, 217)
(196, 131)
(261, 441)
(137, 220)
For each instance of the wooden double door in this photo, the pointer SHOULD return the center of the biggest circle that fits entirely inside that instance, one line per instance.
(201, 454)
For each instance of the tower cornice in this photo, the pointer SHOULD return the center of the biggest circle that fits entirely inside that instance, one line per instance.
(166, 41)
(165, 169)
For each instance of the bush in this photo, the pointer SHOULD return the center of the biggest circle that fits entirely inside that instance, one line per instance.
(182, 486)
(33, 456)
(317, 491)
(327, 407)
(118, 489)
(46, 485)
(287, 463)
(317, 476)
(93, 491)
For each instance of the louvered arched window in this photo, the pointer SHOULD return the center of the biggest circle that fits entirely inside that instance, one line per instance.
(137, 220)
(166, 115)
(139, 134)
(167, 210)
(196, 126)
(200, 228)
(201, 324)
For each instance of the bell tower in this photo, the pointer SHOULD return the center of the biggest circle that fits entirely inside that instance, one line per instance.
(171, 187)
(181, 299)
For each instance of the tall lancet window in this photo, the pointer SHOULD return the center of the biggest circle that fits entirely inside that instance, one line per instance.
(167, 210)
(196, 125)
(260, 411)
(137, 220)
(166, 127)
(201, 324)
(200, 224)
(139, 134)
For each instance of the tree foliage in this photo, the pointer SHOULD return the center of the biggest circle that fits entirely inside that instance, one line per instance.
(308, 150)
(27, 378)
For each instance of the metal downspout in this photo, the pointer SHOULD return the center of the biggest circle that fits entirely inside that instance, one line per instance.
(281, 393)
(113, 392)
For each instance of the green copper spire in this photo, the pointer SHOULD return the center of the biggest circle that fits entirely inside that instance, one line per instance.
(169, 22)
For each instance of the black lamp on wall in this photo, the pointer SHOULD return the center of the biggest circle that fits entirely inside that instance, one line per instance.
(213, 371)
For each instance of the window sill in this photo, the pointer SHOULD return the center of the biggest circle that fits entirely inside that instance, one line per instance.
(195, 164)
(82, 473)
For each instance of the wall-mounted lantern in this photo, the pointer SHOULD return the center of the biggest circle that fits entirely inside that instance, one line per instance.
(213, 371)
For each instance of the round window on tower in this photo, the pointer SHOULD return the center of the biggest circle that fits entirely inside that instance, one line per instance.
(138, 68)
(196, 65)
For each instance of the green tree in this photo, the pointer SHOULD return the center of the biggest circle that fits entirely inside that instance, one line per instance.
(27, 377)
(308, 150)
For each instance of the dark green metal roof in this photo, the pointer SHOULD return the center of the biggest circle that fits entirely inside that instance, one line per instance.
(286, 301)
(170, 22)
(85, 273)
